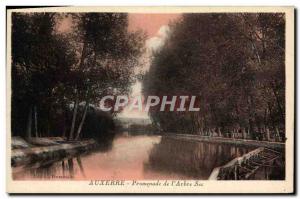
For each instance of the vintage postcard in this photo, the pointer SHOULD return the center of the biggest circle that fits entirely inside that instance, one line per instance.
(150, 100)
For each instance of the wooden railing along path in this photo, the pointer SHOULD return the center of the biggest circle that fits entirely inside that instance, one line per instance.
(245, 167)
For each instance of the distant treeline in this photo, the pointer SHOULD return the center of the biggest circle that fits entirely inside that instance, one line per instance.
(235, 65)
(148, 129)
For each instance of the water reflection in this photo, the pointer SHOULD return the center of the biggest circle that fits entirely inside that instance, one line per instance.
(193, 159)
(139, 158)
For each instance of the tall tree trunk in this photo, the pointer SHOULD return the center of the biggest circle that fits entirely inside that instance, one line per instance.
(268, 134)
(65, 116)
(244, 133)
(82, 120)
(35, 122)
(64, 134)
(280, 109)
(29, 124)
(64, 131)
(48, 128)
(278, 134)
(81, 64)
(219, 132)
(74, 119)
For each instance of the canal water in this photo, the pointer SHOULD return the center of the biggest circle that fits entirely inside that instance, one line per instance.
(140, 158)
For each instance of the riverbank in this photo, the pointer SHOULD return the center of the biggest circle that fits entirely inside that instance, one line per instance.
(44, 151)
(231, 141)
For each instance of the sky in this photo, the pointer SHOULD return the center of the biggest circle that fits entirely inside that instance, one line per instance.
(150, 23)
(156, 28)
(154, 25)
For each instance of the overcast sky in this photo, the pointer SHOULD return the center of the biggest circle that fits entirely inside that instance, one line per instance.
(157, 29)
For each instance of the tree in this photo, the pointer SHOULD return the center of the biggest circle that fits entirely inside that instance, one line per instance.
(108, 54)
(40, 61)
(53, 70)
(234, 63)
